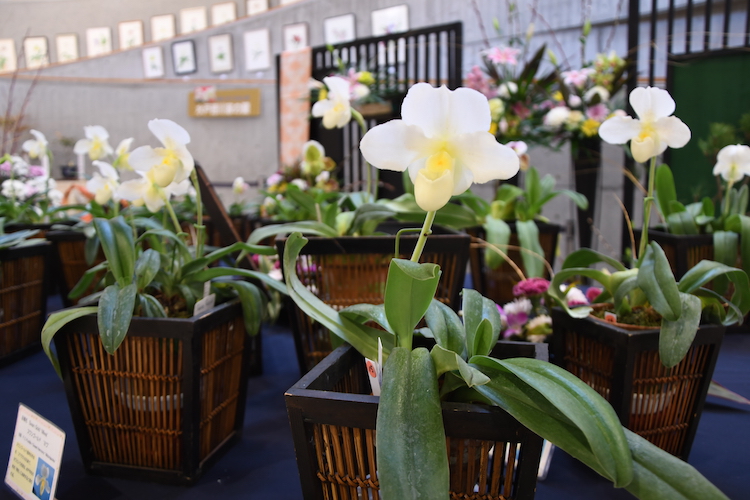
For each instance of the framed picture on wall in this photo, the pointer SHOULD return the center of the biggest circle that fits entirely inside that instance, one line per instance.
(153, 62)
(67, 47)
(256, 6)
(183, 57)
(222, 13)
(8, 58)
(295, 36)
(221, 58)
(257, 50)
(35, 51)
(192, 19)
(287, 2)
(130, 34)
(339, 29)
(162, 27)
(98, 41)
(390, 20)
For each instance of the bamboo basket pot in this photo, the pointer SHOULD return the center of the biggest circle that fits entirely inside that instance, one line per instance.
(70, 249)
(23, 300)
(332, 416)
(663, 405)
(168, 402)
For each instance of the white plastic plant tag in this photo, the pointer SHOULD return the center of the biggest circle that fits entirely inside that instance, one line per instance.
(204, 304)
(206, 289)
(610, 317)
(375, 370)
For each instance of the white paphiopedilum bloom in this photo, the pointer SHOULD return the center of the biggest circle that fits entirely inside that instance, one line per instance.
(655, 128)
(146, 191)
(239, 186)
(122, 154)
(37, 147)
(104, 183)
(96, 143)
(171, 163)
(313, 153)
(335, 109)
(733, 162)
(443, 140)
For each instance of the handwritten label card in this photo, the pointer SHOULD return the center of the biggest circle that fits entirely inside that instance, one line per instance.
(35, 456)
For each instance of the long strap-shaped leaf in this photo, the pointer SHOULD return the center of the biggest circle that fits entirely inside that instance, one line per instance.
(116, 238)
(53, 324)
(306, 226)
(657, 281)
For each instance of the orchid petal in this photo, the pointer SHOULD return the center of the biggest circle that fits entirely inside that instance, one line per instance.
(187, 163)
(462, 179)
(485, 157)
(646, 148)
(92, 131)
(133, 190)
(393, 145)
(144, 158)
(107, 170)
(169, 133)
(433, 194)
(672, 131)
(338, 87)
(321, 107)
(82, 146)
(619, 129)
(443, 113)
(651, 103)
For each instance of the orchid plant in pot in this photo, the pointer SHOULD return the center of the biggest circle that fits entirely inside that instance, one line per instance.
(444, 151)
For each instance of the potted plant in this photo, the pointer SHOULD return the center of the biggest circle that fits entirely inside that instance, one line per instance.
(155, 374)
(668, 367)
(411, 459)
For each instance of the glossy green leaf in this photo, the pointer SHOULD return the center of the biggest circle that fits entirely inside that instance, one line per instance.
(114, 314)
(446, 327)
(362, 313)
(665, 189)
(91, 249)
(146, 267)
(411, 457)
(481, 322)
(307, 227)
(252, 304)
(497, 232)
(586, 257)
(116, 238)
(656, 280)
(369, 213)
(726, 244)
(86, 280)
(217, 272)
(53, 324)
(705, 271)
(682, 223)
(532, 253)
(409, 290)
(446, 360)
(676, 337)
(741, 224)
(150, 307)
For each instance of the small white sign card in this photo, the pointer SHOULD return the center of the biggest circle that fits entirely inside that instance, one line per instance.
(35, 456)
(257, 50)
(98, 41)
(67, 47)
(256, 6)
(130, 34)
(222, 13)
(295, 36)
(220, 54)
(153, 62)
(35, 51)
(339, 29)
(8, 58)
(193, 19)
(162, 27)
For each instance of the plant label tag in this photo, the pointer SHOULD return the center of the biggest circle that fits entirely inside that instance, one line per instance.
(204, 304)
(206, 289)
(35, 456)
(610, 317)
(375, 370)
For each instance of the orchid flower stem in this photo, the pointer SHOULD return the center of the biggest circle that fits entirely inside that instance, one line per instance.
(727, 199)
(647, 204)
(426, 231)
(200, 228)
(173, 216)
(371, 190)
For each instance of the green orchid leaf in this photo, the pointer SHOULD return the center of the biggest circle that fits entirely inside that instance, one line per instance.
(533, 186)
(252, 303)
(362, 338)
(53, 324)
(446, 328)
(91, 249)
(114, 314)
(586, 257)
(497, 233)
(656, 280)
(623, 289)
(451, 215)
(411, 457)
(446, 360)
(725, 251)
(580, 200)
(562, 409)
(532, 253)
(146, 268)
(740, 224)
(369, 213)
(116, 238)
(682, 223)
(362, 313)
(306, 226)
(409, 290)
(150, 307)
(665, 190)
(676, 337)
(216, 272)
(743, 195)
(658, 475)
(481, 321)
(86, 280)
(302, 198)
(708, 208)
(705, 271)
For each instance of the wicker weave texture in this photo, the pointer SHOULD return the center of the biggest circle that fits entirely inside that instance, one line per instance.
(21, 302)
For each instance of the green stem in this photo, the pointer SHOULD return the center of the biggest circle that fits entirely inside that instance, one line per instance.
(200, 228)
(426, 231)
(172, 215)
(371, 190)
(727, 199)
(647, 204)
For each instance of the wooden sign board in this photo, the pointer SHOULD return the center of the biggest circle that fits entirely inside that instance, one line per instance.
(231, 103)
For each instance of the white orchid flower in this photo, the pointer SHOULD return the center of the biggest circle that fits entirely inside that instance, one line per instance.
(733, 162)
(13, 188)
(239, 186)
(655, 128)
(122, 154)
(173, 162)
(96, 143)
(443, 140)
(104, 183)
(556, 117)
(335, 109)
(36, 148)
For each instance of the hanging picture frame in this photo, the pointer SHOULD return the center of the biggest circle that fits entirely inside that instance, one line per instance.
(256, 6)
(222, 13)
(183, 57)
(8, 57)
(35, 51)
(130, 34)
(339, 29)
(257, 50)
(67, 47)
(98, 41)
(193, 19)
(391, 20)
(162, 27)
(220, 55)
(153, 62)
(295, 36)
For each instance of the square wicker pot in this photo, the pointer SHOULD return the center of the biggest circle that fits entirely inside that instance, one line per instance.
(168, 402)
(497, 284)
(683, 251)
(332, 416)
(352, 270)
(23, 300)
(663, 405)
(70, 259)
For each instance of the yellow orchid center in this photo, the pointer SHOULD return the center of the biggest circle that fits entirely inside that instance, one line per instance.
(97, 149)
(323, 94)
(164, 172)
(647, 130)
(438, 164)
(338, 107)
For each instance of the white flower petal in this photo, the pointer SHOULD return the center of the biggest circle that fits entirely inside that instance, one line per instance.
(124, 146)
(485, 157)
(672, 131)
(650, 103)
(169, 133)
(82, 146)
(187, 163)
(144, 158)
(92, 131)
(619, 129)
(107, 170)
(432, 195)
(134, 189)
(462, 179)
(646, 148)
(321, 107)
(443, 113)
(393, 145)
(338, 88)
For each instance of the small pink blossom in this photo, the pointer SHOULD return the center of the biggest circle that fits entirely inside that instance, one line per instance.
(504, 55)
(476, 80)
(592, 293)
(274, 179)
(530, 287)
(577, 77)
(521, 110)
(36, 171)
(598, 112)
(519, 147)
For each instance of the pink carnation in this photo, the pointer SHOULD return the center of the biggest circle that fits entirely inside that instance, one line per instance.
(592, 293)
(5, 167)
(36, 171)
(477, 81)
(530, 287)
(598, 112)
(505, 55)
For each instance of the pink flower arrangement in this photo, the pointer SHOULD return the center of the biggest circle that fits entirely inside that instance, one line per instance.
(531, 287)
(503, 55)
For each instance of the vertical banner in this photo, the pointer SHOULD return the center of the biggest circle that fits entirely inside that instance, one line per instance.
(294, 96)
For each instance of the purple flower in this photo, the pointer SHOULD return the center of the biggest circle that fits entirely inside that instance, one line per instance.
(530, 287)
(477, 81)
(598, 112)
(36, 171)
(5, 167)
